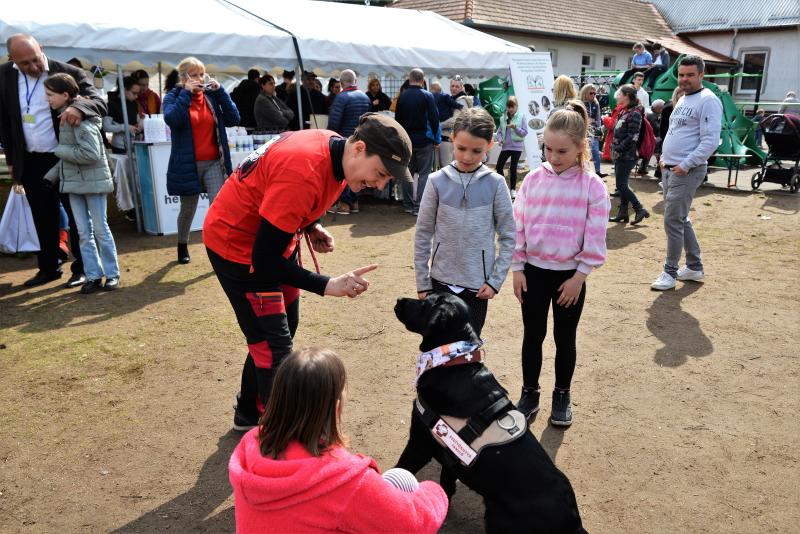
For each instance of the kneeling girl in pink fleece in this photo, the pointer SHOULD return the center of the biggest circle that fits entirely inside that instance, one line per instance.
(293, 474)
(561, 214)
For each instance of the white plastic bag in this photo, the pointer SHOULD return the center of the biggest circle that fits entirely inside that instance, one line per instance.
(17, 232)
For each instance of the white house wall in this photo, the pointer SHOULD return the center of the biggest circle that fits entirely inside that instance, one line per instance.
(783, 63)
(569, 52)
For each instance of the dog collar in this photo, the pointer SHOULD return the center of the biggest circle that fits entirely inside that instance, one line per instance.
(460, 352)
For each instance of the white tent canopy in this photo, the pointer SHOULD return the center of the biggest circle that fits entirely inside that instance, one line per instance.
(331, 36)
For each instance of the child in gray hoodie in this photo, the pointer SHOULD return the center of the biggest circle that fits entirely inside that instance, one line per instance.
(465, 206)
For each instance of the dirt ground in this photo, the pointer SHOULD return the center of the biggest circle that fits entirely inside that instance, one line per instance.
(116, 408)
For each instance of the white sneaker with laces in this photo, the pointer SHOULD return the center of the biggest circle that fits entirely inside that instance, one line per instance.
(687, 274)
(663, 282)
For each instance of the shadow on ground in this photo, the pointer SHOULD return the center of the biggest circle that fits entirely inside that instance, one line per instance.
(190, 511)
(45, 308)
(679, 332)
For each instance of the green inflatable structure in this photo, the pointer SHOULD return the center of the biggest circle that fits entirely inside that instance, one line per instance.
(493, 94)
(738, 132)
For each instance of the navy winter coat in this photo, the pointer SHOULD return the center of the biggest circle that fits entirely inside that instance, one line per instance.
(347, 107)
(182, 176)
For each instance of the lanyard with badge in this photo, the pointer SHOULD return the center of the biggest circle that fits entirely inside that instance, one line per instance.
(27, 117)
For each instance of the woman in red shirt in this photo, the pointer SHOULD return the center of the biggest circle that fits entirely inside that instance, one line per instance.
(252, 234)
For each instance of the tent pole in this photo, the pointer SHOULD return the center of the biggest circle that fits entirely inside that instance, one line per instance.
(298, 81)
(128, 148)
(160, 84)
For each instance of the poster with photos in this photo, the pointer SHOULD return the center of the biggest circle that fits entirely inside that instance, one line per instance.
(532, 79)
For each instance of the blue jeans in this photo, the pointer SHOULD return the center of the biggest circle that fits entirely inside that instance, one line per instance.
(89, 212)
(595, 146)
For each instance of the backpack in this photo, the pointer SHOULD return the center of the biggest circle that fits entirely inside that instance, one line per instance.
(647, 139)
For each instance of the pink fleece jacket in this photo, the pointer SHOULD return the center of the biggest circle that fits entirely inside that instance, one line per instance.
(561, 220)
(335, 492)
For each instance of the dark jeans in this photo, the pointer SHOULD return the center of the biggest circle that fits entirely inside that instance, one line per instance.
(44, 202)
(543, 290)
(421, 163)
(622, 170)
(268, 316)
(651, 74)
(512, 169)
(477, 307)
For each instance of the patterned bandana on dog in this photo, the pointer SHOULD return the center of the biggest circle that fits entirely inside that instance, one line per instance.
(448, 355)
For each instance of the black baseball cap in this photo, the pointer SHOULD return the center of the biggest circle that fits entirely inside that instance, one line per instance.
(385, 137)
(287, 74)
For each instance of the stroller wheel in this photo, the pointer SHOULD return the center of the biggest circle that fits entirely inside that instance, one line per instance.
(794, 183)
(756, 180)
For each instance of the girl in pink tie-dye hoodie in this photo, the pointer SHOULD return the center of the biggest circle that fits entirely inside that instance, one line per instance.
(561, 213)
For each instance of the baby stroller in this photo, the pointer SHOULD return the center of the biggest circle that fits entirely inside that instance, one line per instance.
(782, 133)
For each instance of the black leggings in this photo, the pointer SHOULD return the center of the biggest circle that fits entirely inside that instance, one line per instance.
(268, 316)
(512, 169)
(543, 287)
(477, 307)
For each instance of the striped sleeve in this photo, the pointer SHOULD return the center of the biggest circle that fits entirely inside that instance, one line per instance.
(593, 252)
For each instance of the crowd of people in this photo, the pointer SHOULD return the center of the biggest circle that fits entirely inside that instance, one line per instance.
(472, 228)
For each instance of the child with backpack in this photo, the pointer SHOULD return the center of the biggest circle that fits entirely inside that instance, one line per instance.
(560, 214)
(84, 174)
(465, 206)
(293, 474)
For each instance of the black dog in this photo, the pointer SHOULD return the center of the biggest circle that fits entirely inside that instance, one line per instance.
(523, 491)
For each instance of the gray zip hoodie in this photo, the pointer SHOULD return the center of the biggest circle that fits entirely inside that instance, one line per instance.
(459, 215)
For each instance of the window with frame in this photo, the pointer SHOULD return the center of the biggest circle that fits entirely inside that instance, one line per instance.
(587, 61)
(553, 56)
(609, 62)
(753, 62)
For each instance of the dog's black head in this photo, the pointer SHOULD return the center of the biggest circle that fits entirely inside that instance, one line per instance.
(441, 318)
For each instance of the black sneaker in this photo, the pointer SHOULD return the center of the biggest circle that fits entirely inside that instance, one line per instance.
(243, 422)
(528, 403)
(111, 284)
(42, 278)
(91, 286)
(561, 414)
(77, 279)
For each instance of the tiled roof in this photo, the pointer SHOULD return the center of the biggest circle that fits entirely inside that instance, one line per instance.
(614, 21)
(705, 15)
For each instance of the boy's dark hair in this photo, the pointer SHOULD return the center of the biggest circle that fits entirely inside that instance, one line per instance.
(303, 402)
(475, 121)
(62, 82)
(139, 74)
(129, 81)
(638, 75)
(657, 46)
(690, 60)
(171, 80)
(253, 74)
(631, 92)
(266, 78)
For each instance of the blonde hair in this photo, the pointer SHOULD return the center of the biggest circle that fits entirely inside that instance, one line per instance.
(512, 100)
(563, 90)
(573, 121)
(676, 95)
(585, 91)
(187, 64)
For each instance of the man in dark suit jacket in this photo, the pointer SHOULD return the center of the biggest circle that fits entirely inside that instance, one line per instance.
(29, 134)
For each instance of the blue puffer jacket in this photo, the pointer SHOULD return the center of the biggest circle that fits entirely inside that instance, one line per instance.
(347, 107)
(182, 176)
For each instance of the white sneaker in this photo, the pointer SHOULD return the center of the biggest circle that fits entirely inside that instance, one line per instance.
(685, 273)
(663, 282)
(513, 194)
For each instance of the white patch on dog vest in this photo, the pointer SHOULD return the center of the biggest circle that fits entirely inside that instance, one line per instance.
(450, 438)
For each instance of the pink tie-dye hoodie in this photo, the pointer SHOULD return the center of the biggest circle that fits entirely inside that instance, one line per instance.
(561, 220)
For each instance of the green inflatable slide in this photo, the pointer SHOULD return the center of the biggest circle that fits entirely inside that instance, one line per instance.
(738, 132)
